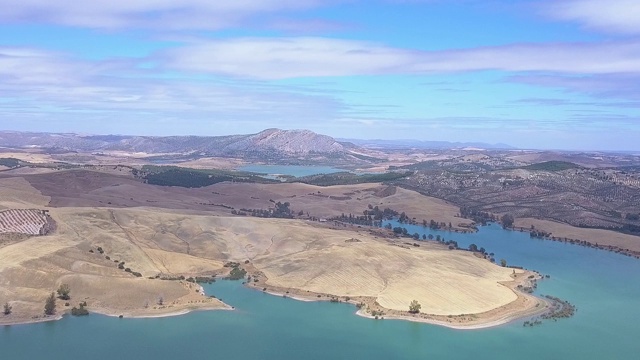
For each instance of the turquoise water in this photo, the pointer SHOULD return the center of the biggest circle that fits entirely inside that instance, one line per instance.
(292, 170)
(604, 286)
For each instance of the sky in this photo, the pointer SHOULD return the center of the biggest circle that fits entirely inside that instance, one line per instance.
(557, 74)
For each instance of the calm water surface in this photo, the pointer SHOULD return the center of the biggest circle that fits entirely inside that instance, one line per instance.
(604, 286)
(291, 170)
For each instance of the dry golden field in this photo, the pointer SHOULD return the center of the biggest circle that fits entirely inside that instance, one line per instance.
(82, 188)
(594, 236)
(444, 282)
(169, 242)
(326, 202)
(17, 193)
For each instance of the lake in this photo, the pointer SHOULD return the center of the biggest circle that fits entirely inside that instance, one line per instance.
(291, 170)
(604, 286)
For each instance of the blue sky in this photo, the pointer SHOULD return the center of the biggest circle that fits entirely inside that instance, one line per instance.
(561, 74)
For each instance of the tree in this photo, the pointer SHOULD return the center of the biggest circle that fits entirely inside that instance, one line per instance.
(414, 307)
(50, 305)
(237, 273)
(81, 311)
(473, 247)
(503, 262)
(7, 309)
(63, 292)
(507, 220)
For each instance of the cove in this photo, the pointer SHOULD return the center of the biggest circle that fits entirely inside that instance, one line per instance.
(604, 286)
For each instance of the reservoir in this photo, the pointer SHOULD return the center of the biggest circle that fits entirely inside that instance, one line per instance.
(290, 170)
(604, 286)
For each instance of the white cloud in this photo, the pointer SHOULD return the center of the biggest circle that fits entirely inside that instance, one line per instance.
(33, 66)
(577, 58)
(37, 81)
(618, 16)
(277, 58)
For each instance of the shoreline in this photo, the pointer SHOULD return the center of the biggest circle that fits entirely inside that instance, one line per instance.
(471, 326)
(508, 319)
(616, 249)
(117, 314)
(497, 320)
(487, 325)
(36, 320)
(360, 312)
(180, 312)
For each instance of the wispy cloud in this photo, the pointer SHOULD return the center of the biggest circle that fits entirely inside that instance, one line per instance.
(40, 82)
(155, 14)
(277, 58)
(601, 86)
(307, 26)
(615, 16)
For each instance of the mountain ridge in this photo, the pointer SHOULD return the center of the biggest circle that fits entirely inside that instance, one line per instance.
(424, 144)
(267, 144)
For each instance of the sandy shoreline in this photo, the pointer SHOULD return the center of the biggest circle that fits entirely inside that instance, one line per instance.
(473, 326)
(163, 315)
(150, 314)
(526, 306)
(145, 313)
(485, 325)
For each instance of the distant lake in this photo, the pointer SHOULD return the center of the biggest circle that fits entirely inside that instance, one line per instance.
(604, 286)
(291, 170)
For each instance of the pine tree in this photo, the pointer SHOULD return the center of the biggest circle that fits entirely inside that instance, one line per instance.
(50, 305)
(7, 309)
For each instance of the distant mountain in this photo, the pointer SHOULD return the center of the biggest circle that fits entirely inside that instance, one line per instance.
(418, 144)
(269, 144)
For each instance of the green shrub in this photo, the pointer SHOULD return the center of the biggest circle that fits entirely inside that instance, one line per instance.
(81, 311)
(237, 273)
(63, 292)
(414, 307)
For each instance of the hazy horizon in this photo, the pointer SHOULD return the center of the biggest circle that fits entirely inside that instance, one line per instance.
(532, 74)
(399, 141)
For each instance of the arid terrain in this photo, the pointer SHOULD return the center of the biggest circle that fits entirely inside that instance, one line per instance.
(129, 248)
(132, 224)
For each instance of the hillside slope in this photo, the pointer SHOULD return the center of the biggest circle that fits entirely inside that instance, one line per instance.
(265, 145)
